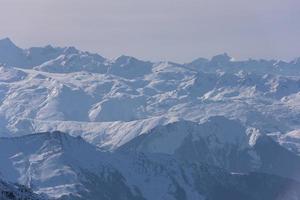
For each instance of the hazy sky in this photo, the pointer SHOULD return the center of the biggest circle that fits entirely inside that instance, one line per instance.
(178, 30)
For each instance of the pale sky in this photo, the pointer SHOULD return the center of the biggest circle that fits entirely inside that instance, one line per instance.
(177, 30)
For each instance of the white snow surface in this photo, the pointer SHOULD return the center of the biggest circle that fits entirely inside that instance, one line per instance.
(290, 140)
(110, 102)
(58, 165)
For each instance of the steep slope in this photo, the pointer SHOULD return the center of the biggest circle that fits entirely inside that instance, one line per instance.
(73, 60)
(129, 67)
(219, 142)
(43, 162)
(290, 140)
(109, 102)
(65, 167)
(10, 54)
(31, 99)
(61, 166)
(10, 191)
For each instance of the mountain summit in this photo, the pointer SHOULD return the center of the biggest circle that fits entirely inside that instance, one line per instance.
(81, 126)
(10, 54)
(7, 43)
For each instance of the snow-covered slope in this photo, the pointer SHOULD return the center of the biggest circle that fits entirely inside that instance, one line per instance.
(219, 142)
(215, 111)
(12, 55)
(109, 102)
(61, 166)
(290, 140)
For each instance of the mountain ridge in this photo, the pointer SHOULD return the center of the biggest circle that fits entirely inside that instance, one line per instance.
(32, 56)
(126, 128)
(127, 176)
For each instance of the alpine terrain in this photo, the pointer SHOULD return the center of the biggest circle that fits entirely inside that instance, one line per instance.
(77, 126)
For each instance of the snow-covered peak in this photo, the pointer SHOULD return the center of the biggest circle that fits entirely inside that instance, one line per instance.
(46, 162)
(71, 50)
(33, 57)
(221, 59)
(215, 111)
(123, 59)
(218, 142)
(73, 60)
(82, 172)
(200, 61)
(130, 67)
(225, 63)
(10, 54)
(218, 131)
(7, 44)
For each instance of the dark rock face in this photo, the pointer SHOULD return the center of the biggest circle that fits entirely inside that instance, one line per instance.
(9, 191)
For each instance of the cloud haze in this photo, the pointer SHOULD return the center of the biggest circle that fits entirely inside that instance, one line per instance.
(178, 30)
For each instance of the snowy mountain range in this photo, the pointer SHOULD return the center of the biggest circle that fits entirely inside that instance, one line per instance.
(64, 167)
(130, 129)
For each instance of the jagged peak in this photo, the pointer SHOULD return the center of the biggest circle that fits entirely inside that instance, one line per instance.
(47, 47)
(71, 50)
(200, 60)
(7, 43)
(220, 123)
(124, 58)
(5, 40)
(221, 58)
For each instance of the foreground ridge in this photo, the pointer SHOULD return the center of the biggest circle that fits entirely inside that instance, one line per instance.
(65, 167)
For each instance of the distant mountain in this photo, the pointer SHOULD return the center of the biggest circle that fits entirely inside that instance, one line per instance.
(65, 167)
(210, 129)
(12, 55)
(225, 63)
(70, 59)
(52, 88)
